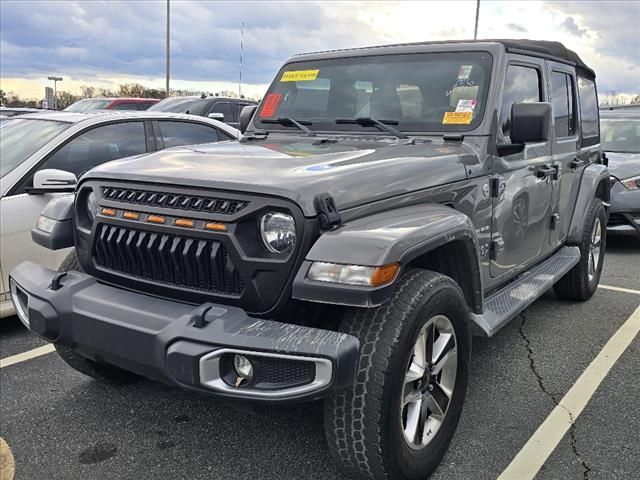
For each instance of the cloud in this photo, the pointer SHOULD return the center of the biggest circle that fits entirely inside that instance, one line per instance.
(516, 28)
(109, 40)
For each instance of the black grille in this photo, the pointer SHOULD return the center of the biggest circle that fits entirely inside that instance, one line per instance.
(182, 202)
(185, 262)
(617, 219)
(284, 372)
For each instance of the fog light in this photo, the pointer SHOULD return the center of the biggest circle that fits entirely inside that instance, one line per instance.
(243, 368)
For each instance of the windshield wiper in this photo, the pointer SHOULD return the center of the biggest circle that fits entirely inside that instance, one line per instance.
(372, 122)
(300, 124)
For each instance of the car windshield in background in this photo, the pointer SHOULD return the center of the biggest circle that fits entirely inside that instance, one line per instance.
(429, 92)
(20, 137)
(179, 105)
(88, 105)
(620, 135)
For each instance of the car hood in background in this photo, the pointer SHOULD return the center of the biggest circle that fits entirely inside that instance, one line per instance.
(624, 165)
(354, 171)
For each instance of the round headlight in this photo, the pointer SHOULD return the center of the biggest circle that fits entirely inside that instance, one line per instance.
(278, 232)
(92, 206)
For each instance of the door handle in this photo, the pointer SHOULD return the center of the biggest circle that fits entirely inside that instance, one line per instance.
(575, 163)
(546, 171)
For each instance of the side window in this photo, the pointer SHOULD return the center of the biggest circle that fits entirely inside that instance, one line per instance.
(588, 111)
(563, 104)
(521, 85)
(175, 134)
(225, 109)
(99, 145)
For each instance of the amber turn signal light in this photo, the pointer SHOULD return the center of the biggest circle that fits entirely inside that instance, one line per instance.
(218, 227)
(385, 274)
(110, 212)
(183, 222)
(130, 215)
(156, 219)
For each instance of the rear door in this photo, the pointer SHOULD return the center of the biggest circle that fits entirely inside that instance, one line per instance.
(566, 140)
(176, 134)
(522, 209)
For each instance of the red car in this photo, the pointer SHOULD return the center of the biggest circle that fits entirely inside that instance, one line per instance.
(89, 104)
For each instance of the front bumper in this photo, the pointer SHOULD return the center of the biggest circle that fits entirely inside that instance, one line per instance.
(624, 213)
(181, 344)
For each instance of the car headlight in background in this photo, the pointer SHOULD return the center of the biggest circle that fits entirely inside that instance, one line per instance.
(353, 274)
(278, 232)
(91, 207)
(631, 183)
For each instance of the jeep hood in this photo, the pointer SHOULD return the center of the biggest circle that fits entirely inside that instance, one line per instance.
(354, 172)
(624, 165)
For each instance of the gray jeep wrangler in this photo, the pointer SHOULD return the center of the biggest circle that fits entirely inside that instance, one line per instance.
(383, 205)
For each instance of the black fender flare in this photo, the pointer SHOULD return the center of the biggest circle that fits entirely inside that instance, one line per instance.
(399, 235)
(60, 212)
(592, 177)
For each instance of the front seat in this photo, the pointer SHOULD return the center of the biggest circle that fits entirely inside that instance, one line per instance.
(385, 103)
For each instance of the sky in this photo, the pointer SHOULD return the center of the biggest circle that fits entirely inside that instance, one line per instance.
(106, 43)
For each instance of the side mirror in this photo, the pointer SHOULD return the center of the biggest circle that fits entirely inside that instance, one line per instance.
(246, 115)
(530, 123)
(217, 116)
(52, 181)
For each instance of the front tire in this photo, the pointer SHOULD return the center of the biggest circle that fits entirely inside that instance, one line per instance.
(581, 282)
(99, 371)
(398, 419)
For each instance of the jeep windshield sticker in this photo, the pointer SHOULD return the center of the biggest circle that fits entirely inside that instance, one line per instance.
(466, 105)
(299, 76)
(465, 72)
(457, 118)
(270, 105)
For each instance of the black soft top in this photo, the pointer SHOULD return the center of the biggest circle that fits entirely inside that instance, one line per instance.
(547, 49)
(538, 48)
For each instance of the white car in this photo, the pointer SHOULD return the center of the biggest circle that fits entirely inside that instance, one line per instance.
(43, 154)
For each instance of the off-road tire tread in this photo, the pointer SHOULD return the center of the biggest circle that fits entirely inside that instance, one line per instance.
(575, 284)
(355, 439)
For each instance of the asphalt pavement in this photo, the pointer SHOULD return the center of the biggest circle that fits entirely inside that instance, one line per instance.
(62, 425)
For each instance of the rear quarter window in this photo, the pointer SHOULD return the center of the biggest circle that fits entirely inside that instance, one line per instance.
(588, 100)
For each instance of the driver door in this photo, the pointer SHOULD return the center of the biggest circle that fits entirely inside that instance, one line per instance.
(523, 205)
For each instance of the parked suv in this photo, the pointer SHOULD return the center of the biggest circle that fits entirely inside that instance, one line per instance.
(219, 108)
(384, 204)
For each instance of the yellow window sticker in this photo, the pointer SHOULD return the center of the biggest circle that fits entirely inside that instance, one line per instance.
(457, 118)
(299, 76)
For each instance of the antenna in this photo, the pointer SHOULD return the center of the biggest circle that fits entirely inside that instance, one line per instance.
(241, 48)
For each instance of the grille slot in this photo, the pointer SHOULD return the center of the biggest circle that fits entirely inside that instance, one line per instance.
(284, 372)
(195, 203)
(175, 260)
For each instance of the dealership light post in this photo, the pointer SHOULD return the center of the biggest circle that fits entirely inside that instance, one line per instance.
(475, 30)
(55, 91)
(168, 61)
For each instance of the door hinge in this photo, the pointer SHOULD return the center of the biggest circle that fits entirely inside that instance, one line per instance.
(495, 184)
(328, 214)
(555, 221)
(494, 248)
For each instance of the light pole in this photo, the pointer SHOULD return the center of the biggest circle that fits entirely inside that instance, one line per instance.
(168, 50)
(475, 30)
(55, 90)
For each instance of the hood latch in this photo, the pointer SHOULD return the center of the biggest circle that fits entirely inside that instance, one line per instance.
(328, 214)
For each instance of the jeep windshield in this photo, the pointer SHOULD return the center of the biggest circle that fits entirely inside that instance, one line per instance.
(416, 93)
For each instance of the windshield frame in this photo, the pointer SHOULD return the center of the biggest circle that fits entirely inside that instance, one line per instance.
(485, 94)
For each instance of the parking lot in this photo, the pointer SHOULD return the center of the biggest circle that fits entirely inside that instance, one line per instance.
(61, 425)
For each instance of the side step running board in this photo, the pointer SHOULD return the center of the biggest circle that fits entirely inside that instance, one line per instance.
(504, 304)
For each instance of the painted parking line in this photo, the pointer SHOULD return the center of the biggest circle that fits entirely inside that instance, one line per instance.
(619, 289)
(544, 441)
(21, 357)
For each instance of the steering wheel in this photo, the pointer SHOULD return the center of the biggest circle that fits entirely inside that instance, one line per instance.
(436, 112)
